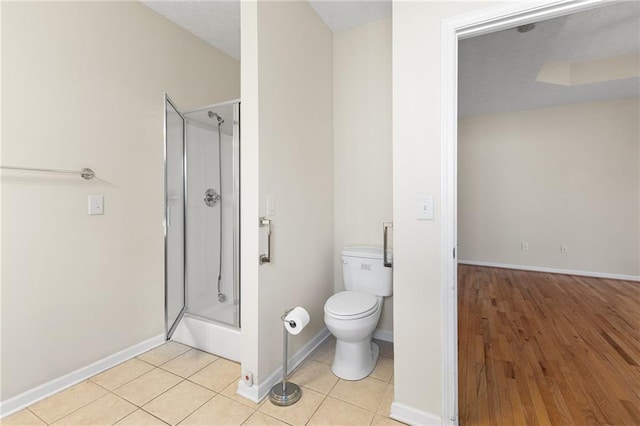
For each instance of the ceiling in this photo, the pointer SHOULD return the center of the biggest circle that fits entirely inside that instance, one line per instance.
(498, 71)
(218, 21)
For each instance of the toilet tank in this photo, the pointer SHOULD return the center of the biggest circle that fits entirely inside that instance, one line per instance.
(363, 270)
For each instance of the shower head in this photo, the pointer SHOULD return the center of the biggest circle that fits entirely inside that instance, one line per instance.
(217, 117)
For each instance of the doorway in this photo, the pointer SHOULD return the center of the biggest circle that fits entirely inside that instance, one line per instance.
(454, 30)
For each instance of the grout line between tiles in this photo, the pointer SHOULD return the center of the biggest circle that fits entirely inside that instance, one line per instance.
(151, 414)
(317, 408)
(195, 372)
(37, 416)
(157, 396)
(80, 408)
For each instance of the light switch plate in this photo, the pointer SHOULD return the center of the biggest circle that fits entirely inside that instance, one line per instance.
(425, 209)
(96, 204)
(271, 205)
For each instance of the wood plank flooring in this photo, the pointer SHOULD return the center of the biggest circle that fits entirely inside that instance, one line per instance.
(547, 349)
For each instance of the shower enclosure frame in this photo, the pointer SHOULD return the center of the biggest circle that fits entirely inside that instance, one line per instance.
(184, 314)
(170, 328)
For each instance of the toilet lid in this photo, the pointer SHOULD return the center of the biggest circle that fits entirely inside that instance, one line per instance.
(351, 304)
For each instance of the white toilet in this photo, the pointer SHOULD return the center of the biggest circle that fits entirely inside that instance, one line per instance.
(352, 315)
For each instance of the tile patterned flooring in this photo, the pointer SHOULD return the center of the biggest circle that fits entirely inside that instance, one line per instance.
(175, 384)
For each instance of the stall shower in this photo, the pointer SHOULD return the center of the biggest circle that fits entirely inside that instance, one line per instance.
(202, 169)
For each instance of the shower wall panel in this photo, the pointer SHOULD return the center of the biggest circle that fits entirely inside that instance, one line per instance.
(203, 226)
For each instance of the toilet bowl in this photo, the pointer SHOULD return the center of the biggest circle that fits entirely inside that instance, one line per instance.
(353, 315)
(352, 318)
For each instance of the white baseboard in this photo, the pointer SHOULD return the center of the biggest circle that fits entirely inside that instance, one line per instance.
(41, 392)
(384, 335)
(257, 392)
(411, 416)
(552, 270)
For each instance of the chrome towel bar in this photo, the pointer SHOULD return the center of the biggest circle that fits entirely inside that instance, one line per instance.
(85, 173)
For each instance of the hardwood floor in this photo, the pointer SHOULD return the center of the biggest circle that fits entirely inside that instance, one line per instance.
(547, 349)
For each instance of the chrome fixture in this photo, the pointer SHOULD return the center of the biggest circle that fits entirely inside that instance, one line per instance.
(211, 197)
(385, 229)
(85, 173)
(525, 28)
(266, 258)
(212, 114)
(285, 393)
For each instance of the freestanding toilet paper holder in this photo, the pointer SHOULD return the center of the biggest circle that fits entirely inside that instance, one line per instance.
(285, 393)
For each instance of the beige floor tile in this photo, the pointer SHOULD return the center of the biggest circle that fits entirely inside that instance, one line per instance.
(383, 370)
(163, 353)
(59, 405)
(335, 412)
(386, 348)
(104, 411)
(141, 418)
(230, 392)
(385, 405)
(219, 411)
(148, 386)
(22, 418)
(178, 402)
(392, 379)
(121, 374)
(217, 375)
(366, 393)
(326, 351)
(261, 419)
(189, 362)
(384, 421)
(298, 413)
(314, 375)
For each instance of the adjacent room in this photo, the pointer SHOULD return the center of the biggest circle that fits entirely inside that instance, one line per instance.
(549, 221)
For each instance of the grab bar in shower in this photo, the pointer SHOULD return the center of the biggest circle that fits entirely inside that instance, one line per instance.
(85, 173)
(385, 229)
(266, 258)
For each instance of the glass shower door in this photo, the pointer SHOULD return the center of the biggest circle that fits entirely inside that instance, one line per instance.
(174, 220)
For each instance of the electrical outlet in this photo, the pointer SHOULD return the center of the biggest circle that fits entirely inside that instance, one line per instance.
(524, 246)
(564, 248)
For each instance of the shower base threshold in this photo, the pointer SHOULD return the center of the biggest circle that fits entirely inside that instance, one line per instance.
(208, 336)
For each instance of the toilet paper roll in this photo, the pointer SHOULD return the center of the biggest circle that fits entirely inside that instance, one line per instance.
(296, 320)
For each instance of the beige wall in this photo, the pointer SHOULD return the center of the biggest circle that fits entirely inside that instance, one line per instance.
(362, 160)
(416, 170)
(82, 87)
(288, 87)
(562, 175)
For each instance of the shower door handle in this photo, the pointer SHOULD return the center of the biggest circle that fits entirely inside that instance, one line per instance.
(385, 229)
(266, 258)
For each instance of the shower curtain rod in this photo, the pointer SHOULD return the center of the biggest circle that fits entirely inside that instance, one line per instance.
(85, 173)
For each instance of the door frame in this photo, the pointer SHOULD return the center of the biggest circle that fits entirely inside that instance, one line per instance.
(504, 16)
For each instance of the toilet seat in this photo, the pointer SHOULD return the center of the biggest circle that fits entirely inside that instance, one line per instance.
(351, 305)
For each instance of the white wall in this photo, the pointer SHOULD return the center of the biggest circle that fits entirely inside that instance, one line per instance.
(362, 160)
(287, 117)
(561, 175)
(82, 87)
(416, 170)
